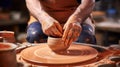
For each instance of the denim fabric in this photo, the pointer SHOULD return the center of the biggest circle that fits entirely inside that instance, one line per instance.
(35, 33)
(79, 1)
(87, 35)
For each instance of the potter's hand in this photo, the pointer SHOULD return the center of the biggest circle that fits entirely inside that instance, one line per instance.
(72, 30)
(51, 27)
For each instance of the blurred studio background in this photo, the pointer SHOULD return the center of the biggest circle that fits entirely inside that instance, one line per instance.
(14, 17)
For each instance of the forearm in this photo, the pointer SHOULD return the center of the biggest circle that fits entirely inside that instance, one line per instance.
(35, 8)
(83, 10)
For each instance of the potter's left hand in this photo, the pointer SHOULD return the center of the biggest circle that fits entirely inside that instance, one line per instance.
(72, 30)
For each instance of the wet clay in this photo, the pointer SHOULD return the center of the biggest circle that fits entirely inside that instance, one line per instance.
(42, 54)
(4, 46)
(56, 44)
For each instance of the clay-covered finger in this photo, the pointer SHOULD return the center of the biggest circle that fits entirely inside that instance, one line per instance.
(67, 41)
(59, 27)
(68, 37)
(65, 34)
(56, 33)
(48, 33)
(70, 41)
(66, 30)
(76, 35)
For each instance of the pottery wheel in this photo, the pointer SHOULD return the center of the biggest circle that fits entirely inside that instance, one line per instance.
(42, 54)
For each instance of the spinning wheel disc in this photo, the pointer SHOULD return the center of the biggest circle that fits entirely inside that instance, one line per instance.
(42, 54)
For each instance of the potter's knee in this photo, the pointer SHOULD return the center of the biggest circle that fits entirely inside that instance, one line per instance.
(34, 32)
(85, 37)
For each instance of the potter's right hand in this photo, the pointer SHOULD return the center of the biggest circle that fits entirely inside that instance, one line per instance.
(52, 27)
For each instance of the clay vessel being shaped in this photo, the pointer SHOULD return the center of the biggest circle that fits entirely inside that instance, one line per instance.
(56, 44)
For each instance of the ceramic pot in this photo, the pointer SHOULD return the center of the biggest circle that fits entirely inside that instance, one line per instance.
(8, 36)
(7, 55)
(56, 44)
(1, 39)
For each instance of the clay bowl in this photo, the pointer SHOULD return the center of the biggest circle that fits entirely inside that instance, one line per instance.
(56, 44)
(7, 55)
(8, 36)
